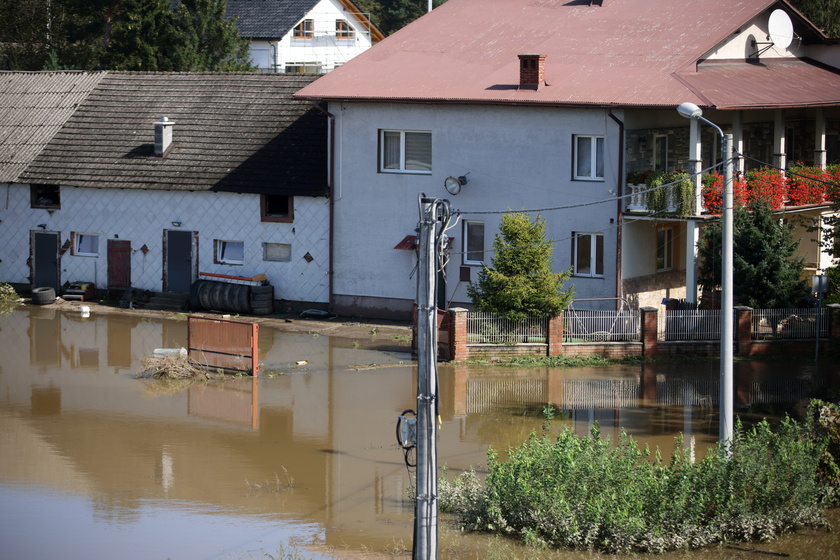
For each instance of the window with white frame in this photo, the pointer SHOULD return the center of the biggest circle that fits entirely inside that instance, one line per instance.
(85, 244)
(229, 252)
(660, 152)
(473, 242)
(664, 249)
(405, 151)
(588, 158)
(278, 252)
(588, 255)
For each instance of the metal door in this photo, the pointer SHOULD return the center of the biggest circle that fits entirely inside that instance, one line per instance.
(45, 259)
(119, 263)
(179, 261)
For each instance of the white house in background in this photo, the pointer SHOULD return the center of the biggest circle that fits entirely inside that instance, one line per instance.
(303, 36)
(546, 106)
(233, 181)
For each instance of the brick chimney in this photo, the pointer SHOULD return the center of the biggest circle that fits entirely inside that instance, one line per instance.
(531, 71)
(163, 136)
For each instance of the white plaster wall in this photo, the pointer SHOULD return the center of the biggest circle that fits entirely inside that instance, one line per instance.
(513, 157)
(827, 54)
(324, 47)
(142, 218)
(740, 45)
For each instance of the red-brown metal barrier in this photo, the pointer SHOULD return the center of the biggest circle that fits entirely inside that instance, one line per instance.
(223, 343)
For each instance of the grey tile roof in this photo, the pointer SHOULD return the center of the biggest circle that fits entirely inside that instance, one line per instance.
(237, 132)
(268, 19)
(33, 106)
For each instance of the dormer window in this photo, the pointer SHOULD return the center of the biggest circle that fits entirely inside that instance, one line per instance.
(304, 30)
(343, 29)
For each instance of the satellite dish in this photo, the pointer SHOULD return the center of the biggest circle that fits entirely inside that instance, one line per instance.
(780, 29)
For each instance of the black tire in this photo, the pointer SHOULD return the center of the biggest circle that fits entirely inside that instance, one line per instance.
(43, 296)
(262, 290)
(256, 298)
(262, 309)
(195, 289)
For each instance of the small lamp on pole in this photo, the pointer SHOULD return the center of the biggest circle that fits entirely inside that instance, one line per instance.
(692, 111)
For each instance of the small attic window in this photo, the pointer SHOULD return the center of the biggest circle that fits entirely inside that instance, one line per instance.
(343, 29)
(277, 208)
(45, 196)
(304, 30)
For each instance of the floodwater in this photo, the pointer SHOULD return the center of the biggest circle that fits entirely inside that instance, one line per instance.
(98, 464)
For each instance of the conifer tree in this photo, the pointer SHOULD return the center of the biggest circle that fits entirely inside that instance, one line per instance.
(766, 272)
(521, 281)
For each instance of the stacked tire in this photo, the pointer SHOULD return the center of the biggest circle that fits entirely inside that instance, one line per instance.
(262, 300)
(43, 296)
(235, 298)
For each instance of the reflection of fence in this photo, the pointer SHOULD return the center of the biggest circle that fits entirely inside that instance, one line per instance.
(600, 326)
(222, 343)
(490, 328)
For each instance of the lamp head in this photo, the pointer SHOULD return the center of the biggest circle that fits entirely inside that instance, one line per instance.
(689, 110)
(453, 184)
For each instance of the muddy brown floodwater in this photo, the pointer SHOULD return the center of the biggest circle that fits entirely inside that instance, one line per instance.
(97, 464)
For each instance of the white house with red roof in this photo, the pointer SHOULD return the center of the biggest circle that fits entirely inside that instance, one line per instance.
(546, 106)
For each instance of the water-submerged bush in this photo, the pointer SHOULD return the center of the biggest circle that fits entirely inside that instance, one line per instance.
(585, 493)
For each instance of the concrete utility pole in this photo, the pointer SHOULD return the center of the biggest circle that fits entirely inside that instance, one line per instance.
(432, 212)
(727, 332)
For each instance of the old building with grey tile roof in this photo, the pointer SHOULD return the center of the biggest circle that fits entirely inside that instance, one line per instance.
(154, 180)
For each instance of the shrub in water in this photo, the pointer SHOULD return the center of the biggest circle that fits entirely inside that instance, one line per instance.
(585, 493)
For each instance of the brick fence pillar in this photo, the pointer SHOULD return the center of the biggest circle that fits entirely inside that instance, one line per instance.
(743, 330)
(834, 321)
(458, 351)
(650, 332)
(554, 336)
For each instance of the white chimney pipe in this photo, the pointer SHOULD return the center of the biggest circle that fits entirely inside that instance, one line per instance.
(163, 136)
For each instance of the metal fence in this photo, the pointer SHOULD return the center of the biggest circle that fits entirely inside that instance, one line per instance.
(692, 324)
(488, 328)
(581, 325)
(774, 324)
(625, 326)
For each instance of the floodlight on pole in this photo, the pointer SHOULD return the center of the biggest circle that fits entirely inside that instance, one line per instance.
(692, 111)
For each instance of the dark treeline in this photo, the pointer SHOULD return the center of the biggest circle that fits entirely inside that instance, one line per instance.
(184, 35)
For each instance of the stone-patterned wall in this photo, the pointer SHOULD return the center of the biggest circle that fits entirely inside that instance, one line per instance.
(142, 217)
(650, 290)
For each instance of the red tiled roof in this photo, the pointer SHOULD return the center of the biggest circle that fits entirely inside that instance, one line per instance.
(640, 53)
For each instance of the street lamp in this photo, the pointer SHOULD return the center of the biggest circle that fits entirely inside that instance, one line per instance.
(692, 111)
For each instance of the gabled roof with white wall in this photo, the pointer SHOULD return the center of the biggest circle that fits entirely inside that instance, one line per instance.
(273, 19)
(631, 53)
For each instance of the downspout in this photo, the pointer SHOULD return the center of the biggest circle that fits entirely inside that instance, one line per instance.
(619, 292)
(330, 194)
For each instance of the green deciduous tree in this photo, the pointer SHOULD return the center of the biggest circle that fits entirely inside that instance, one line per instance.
(521, 281)
(766, 271)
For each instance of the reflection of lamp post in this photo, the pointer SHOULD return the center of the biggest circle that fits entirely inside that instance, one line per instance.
(819, 284)
(692, 111)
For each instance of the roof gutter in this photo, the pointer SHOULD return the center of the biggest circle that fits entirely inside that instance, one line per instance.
(330, 194)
